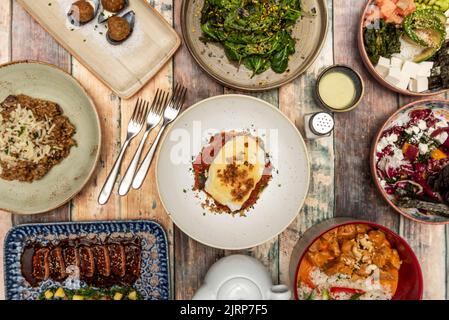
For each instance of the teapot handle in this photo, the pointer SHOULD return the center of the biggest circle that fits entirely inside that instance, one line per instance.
(280, 292)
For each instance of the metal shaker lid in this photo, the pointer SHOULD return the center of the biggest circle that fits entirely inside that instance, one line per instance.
(321, 123)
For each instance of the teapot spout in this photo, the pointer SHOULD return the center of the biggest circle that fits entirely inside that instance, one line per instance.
(280, 292)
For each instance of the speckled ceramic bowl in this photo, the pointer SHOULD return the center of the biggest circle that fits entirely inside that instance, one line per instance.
(411, 213)
(66, 179)
(310, 32)
(373, 71)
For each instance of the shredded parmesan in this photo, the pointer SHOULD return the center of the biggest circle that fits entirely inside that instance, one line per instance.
(23, 137)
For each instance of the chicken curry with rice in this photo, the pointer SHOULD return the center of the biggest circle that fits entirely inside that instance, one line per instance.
(352, 261)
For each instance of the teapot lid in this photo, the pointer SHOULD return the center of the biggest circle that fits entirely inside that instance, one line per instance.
(239, 289)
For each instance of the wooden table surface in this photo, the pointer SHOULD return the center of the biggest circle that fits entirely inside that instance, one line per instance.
(341, 182)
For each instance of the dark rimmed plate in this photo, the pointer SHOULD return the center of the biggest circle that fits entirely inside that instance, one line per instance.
(154, 281)
(310, 33)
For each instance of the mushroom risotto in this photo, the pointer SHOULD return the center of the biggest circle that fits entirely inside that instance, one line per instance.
(34, 137)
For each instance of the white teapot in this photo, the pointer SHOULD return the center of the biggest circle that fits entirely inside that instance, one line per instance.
(240, 277)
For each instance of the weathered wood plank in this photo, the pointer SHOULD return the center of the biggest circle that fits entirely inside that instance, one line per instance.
(30, 41)
(145, 203)
(85, 206)
(296, 100)
(192, 259)
(5, 56)
(355, 192)
(429, 244)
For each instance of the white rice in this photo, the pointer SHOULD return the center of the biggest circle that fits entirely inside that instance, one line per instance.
(371, 285)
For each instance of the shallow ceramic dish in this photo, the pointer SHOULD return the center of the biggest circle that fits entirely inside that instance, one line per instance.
(124, 68)
(413, 214)
(66, 179)
(310, 33)
(410, 286)
(356, 79)
(280, 201)
(373, 71)
(153, 283)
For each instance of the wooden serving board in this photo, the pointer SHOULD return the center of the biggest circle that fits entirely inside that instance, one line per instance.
(125, 68)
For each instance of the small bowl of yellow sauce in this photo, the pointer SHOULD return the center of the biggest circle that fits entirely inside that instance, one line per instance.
(339, 88)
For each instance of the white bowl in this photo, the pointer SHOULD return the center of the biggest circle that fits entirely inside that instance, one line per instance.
(278, 204)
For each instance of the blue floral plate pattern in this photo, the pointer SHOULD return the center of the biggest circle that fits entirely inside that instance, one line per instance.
(153, 284)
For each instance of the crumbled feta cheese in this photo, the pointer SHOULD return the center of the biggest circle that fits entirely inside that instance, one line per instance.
(423, 148)
(392, 138)
(442, 137)
(422, 125)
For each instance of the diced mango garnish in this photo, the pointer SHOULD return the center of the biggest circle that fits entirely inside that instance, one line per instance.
(118, 296)
(437, 154)
(48, 294)
(60, 293)
(77, 297)
(132, 295)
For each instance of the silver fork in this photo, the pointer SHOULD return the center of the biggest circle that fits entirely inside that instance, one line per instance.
(134, 126)
(153, 119)
(170, 113)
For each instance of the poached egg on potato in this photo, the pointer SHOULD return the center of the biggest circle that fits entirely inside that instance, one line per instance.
(235, 171)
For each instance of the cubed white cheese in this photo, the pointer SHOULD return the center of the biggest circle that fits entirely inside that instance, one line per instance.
(384, 62)
(410, 69)
(394, 76)
(382, 70)
(425, 68)
(413, 85)
(420, 84)
(396, 62)
(403, 84)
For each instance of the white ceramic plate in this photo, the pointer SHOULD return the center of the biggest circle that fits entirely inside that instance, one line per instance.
(278, 204)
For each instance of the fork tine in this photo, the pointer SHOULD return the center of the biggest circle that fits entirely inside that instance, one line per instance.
(166, 100)
(154, 105)
(136, 108)
(145, 111)
(182, 99)
(160, 107)
(140, 111)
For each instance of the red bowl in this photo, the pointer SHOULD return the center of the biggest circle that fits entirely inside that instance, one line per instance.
(410, 286)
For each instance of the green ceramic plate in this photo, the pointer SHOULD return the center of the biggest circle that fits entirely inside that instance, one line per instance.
(66, 179)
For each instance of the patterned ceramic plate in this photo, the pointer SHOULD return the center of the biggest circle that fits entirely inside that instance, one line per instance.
(389, 160)
(153, 283)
